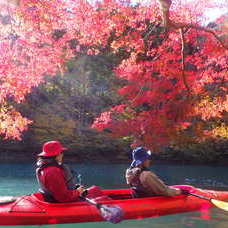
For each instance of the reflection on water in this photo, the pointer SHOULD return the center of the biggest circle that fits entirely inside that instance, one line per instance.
(186, 220)
(207, 183)
(18, 179)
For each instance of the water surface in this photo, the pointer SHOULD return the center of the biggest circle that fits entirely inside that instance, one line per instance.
(18, 179)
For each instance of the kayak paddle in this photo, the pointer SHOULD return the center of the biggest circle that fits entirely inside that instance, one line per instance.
(218, 203)
(113, 214)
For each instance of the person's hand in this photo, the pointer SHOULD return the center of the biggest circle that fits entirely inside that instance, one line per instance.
(184, 191)
(82, 191)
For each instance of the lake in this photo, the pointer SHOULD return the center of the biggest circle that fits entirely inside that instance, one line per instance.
(18, 179)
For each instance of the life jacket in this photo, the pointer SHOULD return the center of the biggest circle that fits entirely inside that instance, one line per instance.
(70, 176)
(138, 190)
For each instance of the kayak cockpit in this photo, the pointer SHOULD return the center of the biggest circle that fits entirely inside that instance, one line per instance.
(96, 194)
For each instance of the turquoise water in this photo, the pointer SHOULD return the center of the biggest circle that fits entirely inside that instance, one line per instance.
(18, 179)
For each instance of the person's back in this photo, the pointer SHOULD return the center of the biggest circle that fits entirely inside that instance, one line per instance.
(144, 182)
(54, 177)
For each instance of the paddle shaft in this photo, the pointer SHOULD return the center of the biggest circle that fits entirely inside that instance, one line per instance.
(98, 205)
(199, 196)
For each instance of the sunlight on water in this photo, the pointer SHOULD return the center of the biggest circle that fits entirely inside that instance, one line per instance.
(18, 179)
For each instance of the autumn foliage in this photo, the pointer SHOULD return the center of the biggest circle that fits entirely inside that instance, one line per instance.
(174, 70)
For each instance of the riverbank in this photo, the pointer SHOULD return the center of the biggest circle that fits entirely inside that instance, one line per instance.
(108, 150)
(17, 157)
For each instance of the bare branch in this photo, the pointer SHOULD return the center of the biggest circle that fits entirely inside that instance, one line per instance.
(183, 60)
(164, 7)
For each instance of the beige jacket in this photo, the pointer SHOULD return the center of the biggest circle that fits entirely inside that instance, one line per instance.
(152, 185)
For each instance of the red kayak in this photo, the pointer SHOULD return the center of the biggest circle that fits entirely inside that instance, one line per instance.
(32, 210)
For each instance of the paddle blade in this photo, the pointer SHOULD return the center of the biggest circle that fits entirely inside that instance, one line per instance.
(113, 214)
(220, 204)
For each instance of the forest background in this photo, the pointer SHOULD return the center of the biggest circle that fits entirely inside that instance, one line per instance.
(154, 72)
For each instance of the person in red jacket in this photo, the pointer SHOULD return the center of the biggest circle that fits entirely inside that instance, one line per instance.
(56, 181)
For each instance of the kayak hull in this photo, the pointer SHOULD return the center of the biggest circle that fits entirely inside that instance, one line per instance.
(32, 210)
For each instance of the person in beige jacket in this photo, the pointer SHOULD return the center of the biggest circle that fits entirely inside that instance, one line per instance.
(143, 182)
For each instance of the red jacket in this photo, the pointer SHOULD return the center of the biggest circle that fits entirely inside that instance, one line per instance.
(53, 179)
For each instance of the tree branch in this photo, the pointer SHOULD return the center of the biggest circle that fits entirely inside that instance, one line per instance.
(197, 27)
(164, 7)
(183, 60)
(168, 24)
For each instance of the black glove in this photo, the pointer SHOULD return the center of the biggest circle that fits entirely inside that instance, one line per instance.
(184, 191)
(77, 186)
